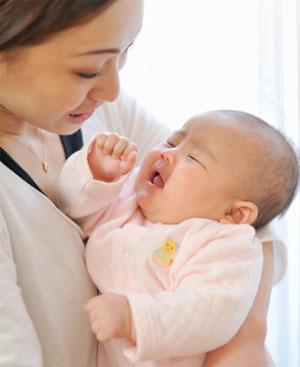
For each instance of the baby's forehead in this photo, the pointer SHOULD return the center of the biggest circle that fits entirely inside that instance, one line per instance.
(225, 138)
(210, 127)
(211, 120)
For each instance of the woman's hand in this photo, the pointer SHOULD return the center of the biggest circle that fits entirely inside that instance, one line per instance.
(111, 156)
(247, 348)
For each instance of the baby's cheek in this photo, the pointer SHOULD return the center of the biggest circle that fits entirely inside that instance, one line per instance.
(151, 158)
(140, 180)
(180, 182)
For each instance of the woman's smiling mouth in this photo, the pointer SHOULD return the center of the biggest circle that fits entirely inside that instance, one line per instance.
(80, 117)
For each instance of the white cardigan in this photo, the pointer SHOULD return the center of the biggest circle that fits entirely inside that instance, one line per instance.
(43, 280)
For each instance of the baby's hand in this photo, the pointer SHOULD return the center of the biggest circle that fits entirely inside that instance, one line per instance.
(110, 316)
(111, 156)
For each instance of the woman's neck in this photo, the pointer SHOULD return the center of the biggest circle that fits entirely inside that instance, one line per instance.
(10, 124)
(39, 152)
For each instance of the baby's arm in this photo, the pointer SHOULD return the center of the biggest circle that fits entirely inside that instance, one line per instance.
(247, 347)
(92, 178)
(212, 294)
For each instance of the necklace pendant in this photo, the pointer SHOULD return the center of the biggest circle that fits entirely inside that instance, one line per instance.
(46, 167)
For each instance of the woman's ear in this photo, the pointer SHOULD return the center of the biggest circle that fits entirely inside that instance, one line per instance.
(241, 212)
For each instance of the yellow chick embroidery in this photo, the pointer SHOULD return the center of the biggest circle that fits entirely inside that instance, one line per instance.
(165, 254)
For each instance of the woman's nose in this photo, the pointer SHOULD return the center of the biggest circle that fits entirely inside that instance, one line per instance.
(107, 88)
(169, 155)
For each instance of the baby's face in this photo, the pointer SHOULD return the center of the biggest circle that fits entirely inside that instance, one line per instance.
(190, 175)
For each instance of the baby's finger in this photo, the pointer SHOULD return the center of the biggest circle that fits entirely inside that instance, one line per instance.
(101, 337)
(89, 306)
(100, 140)
(120, 147)
(110, 143)
(126, 165)
(96, 327)
(131, 158)
(131, 148)
(93, 315)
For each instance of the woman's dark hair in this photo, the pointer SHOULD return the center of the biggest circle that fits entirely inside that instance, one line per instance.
(29, 22)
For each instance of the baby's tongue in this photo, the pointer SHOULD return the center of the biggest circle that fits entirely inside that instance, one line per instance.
(158, 181)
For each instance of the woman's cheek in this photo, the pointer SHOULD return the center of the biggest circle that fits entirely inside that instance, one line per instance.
(72, 93)
(71, 101)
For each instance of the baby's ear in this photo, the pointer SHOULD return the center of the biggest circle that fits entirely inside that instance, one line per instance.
(241, 212)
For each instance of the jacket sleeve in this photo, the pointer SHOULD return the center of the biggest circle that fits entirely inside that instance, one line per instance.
(214, 279)
(19, 344)
(83, 198)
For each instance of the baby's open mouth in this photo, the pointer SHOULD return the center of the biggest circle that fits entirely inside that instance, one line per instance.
(156, 179)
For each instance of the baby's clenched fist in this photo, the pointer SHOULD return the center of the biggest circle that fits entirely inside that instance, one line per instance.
(111, 156)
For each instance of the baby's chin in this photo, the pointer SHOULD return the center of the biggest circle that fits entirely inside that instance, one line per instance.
(143, 208)
(156, 217)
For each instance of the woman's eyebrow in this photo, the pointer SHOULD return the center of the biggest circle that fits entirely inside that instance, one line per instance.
(99, 52)
(107, 50)
(104, 51)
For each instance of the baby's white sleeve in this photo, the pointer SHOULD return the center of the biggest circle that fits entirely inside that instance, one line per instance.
(126, 117)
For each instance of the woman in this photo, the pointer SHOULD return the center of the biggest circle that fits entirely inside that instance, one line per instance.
(59, 61)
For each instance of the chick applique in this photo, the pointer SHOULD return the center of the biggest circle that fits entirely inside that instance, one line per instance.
(165, 255)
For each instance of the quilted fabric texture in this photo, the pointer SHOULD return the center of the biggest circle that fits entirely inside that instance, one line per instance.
(185, 302)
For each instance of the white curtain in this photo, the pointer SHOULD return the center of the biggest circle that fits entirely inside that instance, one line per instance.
(197, 55)
(279, 65)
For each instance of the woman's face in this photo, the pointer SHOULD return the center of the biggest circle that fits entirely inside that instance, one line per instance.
(57, 84)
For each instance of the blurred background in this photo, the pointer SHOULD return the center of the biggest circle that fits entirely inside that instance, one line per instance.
(199, 55)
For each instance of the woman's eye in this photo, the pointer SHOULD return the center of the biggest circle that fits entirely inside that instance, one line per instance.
(87, 75)
(169, 144)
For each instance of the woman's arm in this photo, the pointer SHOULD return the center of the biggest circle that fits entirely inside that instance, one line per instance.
(247, 348)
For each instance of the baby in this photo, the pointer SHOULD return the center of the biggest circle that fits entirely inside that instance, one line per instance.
(172, 245)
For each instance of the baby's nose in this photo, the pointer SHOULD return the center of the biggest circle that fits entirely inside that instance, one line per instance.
(169, 155)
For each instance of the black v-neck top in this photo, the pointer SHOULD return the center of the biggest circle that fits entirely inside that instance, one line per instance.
(71, 143)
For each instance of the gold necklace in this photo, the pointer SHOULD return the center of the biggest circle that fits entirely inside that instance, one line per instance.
(45, 165)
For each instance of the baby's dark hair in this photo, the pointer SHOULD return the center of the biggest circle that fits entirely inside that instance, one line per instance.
(273, 178)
